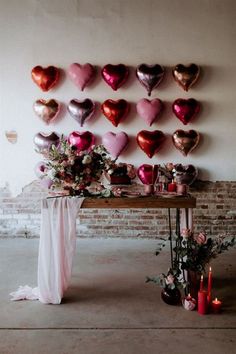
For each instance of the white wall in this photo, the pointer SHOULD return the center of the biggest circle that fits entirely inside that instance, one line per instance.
(168, 32)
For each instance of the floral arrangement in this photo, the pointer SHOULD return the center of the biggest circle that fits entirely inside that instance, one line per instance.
(191, 253)
(73, 170)
(120, 173)
(179, 173)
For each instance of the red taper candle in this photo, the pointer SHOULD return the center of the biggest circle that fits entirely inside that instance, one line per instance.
(209, 285)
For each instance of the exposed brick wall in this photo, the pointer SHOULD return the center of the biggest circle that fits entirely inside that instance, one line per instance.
(215, 213)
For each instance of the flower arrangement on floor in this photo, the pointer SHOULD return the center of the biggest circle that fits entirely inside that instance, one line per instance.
(192, 253)
(72, 170)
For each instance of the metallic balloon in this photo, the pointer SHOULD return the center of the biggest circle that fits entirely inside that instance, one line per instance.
(47, 110)
(114, 111)
(150, 142)
(81, 140)
(186, 76)
(81, 111)
(45, 78)
(149, 110)
(115, 75)
(115, 143)
(185, 141)
(150, 76)
(185, 174)
(44, 141)
(148, 173)
(81, 75)
(185, 110)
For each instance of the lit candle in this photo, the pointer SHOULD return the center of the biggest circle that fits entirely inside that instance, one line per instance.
(209, 285)
(202, 303)
(189, 303)
(201, 283)
(216, 305)
(171, 187)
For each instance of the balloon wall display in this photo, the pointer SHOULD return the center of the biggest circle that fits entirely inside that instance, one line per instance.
(185, 110)
(82, 75)
(185, 141)
(115, 111)
(186, 76)
(44, 141)
(115, 143)
(185, 174)
(150, 76)
(81, 140)
(149, 110)
(45, 78)
(47, 110)
(150, 142)
(115, 75)
(81, 111)
(147, 173)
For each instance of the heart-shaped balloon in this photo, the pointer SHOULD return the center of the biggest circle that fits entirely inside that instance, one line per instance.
(149, 110)
(81, 140)
(46, 182)
(115, 75)
(81, 111)
(45, 78)
(147, 173)
(81, 75)
(185, 141)
(44, 141)
(185, 174)
(115, 143)
(47, 110)
(150, 142)
(185, 110)
(186, 76)
(40, 169)
(114, 111)
(150, 76)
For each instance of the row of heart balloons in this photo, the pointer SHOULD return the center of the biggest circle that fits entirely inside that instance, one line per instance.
(149, 141)
(150, 76)
(115, 110)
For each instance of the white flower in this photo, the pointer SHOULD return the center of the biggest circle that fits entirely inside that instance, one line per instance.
(87, 159)
(110, 171)
(51, 174)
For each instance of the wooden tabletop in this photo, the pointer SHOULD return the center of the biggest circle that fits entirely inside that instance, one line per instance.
(139, 202)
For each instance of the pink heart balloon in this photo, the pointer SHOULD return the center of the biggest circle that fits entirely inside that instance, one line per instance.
(44, 141)
(149, 110)
(147, 173)
(81, 75)
(115, 75)
(46, 182)
(81, 140)
(115, 143)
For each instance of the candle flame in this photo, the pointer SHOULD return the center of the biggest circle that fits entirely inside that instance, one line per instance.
(210, 269)
(189, 295)
(201, 277)
(216, 299)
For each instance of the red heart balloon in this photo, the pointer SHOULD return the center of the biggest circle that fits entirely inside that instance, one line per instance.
(150, 142)
(186, 76)
(81, 140)
(185, 110)
(115, 75)
(147, 173)
(45, 78)
(185, 141)
(115, 110)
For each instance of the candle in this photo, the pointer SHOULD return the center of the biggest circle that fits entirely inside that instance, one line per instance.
(189, 303)
(209, 285)
(148, 189)
(216, 305)
(181, 188)
(202, 302)
(171, 187)
(201, 283)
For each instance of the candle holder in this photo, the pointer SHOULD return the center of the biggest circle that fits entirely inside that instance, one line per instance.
(148, 189)
(216, 306)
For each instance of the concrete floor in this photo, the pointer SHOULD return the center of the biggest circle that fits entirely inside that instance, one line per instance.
(109, 308)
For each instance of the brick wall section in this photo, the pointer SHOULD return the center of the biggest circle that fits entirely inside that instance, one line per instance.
(215, 213)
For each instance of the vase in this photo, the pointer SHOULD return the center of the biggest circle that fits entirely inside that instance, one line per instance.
(171, 296)
(193, 283)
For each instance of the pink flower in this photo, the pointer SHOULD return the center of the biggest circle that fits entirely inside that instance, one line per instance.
(170, 166)
(170, 279)
(186, 233)
(201, 238)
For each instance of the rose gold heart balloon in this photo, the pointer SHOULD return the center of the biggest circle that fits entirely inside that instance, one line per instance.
(150, 142)
(185, 141)
(150, 76)
(46, 110)
(115, 111)
(44, 141)
(186, 76)
(45, 78)
(81, 140)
